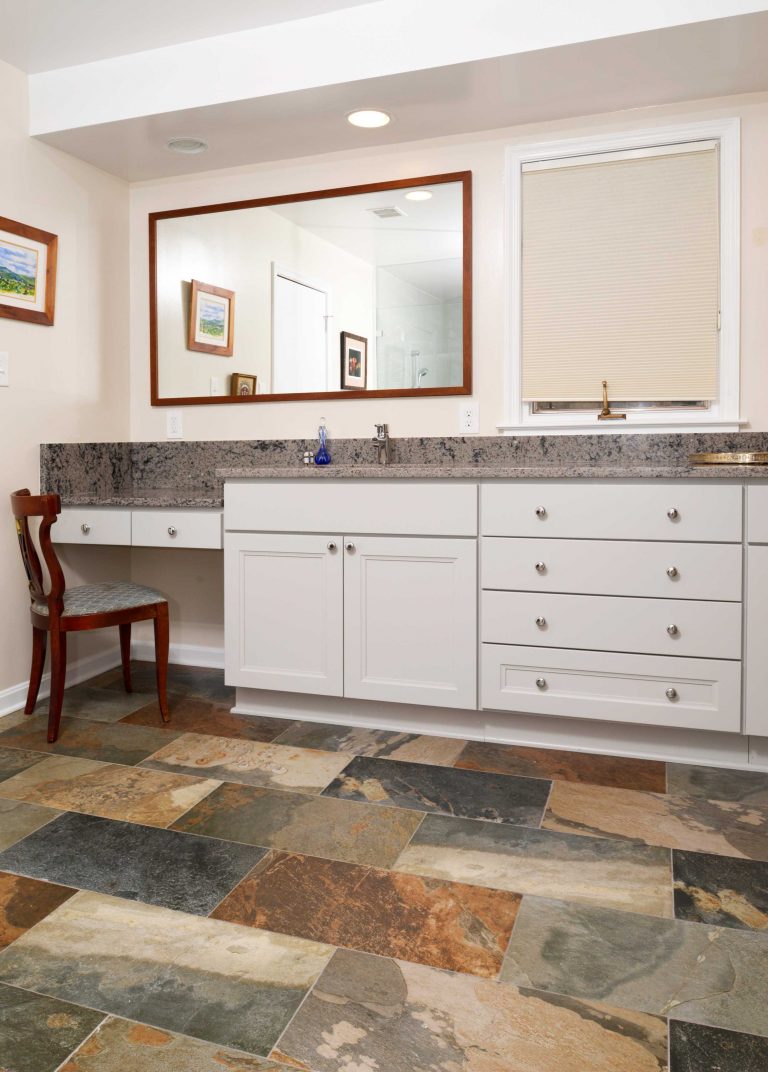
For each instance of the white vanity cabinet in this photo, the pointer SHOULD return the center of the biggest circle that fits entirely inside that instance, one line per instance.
(756, 678)
(383, 608)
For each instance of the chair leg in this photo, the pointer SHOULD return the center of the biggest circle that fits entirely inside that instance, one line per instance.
(125, 654)
(161, 658)
(58, 677)
(39, 644)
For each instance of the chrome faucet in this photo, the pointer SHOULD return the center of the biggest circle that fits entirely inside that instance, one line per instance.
(381, 439)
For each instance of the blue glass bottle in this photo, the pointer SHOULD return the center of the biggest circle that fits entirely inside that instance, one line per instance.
(322, 454)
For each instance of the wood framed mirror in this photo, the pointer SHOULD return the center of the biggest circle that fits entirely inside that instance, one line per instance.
(357, 292)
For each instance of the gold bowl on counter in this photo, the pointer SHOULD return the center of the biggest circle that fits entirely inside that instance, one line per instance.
(752, 457)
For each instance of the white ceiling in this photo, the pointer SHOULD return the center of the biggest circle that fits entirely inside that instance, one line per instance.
(43, 35)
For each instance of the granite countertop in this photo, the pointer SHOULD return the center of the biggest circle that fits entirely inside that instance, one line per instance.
(159, 498)
(493, 472)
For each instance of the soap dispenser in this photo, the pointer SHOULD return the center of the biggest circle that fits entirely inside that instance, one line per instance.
(322, 455)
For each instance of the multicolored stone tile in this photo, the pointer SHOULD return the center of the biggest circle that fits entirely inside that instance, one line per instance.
(192, 715)
(131, 793)
(618, 874)
(617, 771)
(693, 1048)
(139, 863)
(445, 924)
(728, 827)
(37, 1033)
(385, 744)
(107, 741)
(720, 890)
(371, 1014)
(497, 798)
(121, 1046)
(251, 762)
(718, 783)
(13, 760)
(17, 820)
(706, 975)
(24, 902)
(234, 986)
(200, 681)
(101, 705)
(318, 826)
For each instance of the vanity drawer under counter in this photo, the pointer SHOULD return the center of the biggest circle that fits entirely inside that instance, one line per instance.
(613, 567)
(606, 510)
(178, 528)
(648, 689)
(690, 627)
(93, 524)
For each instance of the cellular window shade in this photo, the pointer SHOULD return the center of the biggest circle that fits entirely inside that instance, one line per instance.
(620, 278)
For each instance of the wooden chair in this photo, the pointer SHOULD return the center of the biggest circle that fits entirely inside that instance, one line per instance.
(89, 606)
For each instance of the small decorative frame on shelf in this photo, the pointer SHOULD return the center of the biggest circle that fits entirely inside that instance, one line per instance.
(354, 361)
(27, 272)
(211, 319)
(242, 385)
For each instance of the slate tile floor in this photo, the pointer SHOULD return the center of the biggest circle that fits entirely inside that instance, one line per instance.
(259, 894)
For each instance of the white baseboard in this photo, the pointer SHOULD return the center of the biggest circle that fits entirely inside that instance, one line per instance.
(183, 654)
(14, 698)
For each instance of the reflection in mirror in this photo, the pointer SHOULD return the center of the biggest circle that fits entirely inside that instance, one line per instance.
(361, 292)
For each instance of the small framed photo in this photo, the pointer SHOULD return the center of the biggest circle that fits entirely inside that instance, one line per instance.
(27, 272)
(242, 385)
(354, 361)
(211, 319)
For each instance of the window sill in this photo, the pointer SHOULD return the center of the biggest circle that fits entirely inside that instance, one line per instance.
(631, 425)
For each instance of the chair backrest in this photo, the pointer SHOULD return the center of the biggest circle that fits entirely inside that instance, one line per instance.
(47, 507)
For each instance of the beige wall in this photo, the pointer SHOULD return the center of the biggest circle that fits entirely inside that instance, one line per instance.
(69, 381)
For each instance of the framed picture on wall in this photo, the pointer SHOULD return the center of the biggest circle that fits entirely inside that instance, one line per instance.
(354, 361)
(242, 385)
(27, 272)
(211, 319)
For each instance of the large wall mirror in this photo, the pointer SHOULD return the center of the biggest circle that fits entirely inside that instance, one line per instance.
(351, 293)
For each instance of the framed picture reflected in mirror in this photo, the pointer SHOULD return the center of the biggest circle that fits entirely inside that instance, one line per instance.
(211, 319)
(354, 361)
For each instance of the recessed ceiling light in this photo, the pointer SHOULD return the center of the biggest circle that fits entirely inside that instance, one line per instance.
(190, 146)
(369, 117)
(418, 195)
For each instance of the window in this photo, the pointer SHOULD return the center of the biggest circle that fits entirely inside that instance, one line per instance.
(624, 269)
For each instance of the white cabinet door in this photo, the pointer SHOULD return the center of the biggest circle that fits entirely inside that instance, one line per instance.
(756, 675)
(284, 612)
(410, 620)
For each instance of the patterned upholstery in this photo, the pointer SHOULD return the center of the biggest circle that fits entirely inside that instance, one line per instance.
(103, 598)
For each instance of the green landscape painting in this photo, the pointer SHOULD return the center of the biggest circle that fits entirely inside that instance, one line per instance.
(211, 317)
(18, 271)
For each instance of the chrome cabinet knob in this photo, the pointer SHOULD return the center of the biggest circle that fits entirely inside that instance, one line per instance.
(331, 546)
(172, 531)
(671, 694)
(541, 682)
(672, 572)
(85, 528)
(541, 513)
(673, 513)
(541, 622)
(350, 546)
(672, 630)
(541, 567)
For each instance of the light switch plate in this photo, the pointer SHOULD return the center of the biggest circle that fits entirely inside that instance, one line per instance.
(4, 371)
(173, 425)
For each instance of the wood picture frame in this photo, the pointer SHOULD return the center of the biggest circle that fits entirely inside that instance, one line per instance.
(211, 316)
(242, 385)
(354, 362)
(27, 272)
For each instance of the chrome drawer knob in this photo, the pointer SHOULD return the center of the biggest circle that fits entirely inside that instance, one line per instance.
(171, 530)
(331, 546)
(673, 513)
(541, 513)
(541, 622)
(672, 630)
(350, 547)
(541, 567)
(541, 682)
(671, 694)
(85, 529)
(672, 572)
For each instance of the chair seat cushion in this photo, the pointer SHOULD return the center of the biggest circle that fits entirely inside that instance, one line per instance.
(105, 598)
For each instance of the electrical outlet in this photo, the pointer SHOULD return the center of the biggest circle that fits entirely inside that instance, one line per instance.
(4, 359)
(469, 418)
(216, 386)
(173, 425)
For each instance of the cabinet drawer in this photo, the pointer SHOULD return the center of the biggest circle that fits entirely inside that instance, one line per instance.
(613, 623)
(613, 567)
(757, 513)
(93, 525)
(177, 528)
(606, 511)
(377, 507)
(617, 688)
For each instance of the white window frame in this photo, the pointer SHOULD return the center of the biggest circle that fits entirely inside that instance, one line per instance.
(722, 415)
